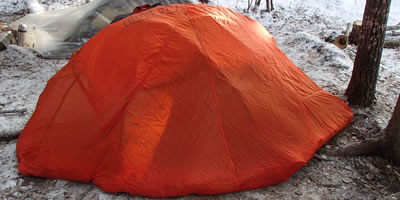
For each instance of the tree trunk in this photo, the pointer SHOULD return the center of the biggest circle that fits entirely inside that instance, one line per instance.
(361, 89)
(272, 6)
(256, 5)
(392, 135)
(249, 2)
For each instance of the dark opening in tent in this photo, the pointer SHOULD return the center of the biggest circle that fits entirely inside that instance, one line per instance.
(176, 100)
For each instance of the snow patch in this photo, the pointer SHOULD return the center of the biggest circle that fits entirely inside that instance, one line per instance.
(34, 6)
(23, 77)
(10, 7)
(345, 10)
(317, 51)
(8, 160)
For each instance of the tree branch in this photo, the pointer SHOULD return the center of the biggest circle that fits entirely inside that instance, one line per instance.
(16, 111)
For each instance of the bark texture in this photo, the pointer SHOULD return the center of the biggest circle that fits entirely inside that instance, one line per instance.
(361, 89)
(392, 135)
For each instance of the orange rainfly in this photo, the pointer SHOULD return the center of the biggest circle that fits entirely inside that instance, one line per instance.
(176, 100)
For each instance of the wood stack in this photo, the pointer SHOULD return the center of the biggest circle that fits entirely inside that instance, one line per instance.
(392, 35)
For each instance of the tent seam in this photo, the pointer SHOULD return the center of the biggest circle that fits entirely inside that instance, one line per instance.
(58, 109)
(84, 90)
(212, 83)
(143, 81)
(55, 114)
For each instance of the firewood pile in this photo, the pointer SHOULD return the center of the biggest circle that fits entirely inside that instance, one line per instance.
(352, 35)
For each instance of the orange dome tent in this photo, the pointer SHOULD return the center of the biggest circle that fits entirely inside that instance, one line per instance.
(176, 100)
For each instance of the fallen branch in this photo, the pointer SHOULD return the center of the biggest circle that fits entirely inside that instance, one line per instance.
(392, 28)
(392, 42)
(7, 136)
(367, 147)
(16, 111)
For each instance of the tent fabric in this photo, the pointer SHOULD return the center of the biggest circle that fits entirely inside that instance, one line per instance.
(175, 100)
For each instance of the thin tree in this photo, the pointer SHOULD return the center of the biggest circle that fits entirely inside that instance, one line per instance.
(258, 2)
(270, 5)
(387, 145)
(361, 89)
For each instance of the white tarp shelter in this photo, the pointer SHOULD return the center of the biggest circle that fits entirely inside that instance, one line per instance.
(57, 34)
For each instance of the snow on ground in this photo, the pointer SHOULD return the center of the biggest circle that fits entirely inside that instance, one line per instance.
(23, 77)
(299, 28)
(8, 161)
(343, 10)
(10, 7)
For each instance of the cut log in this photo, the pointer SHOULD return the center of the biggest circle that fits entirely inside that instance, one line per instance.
(355, 32)
(332, 37)
(392, 42)
(392, 28)
(342, 40)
